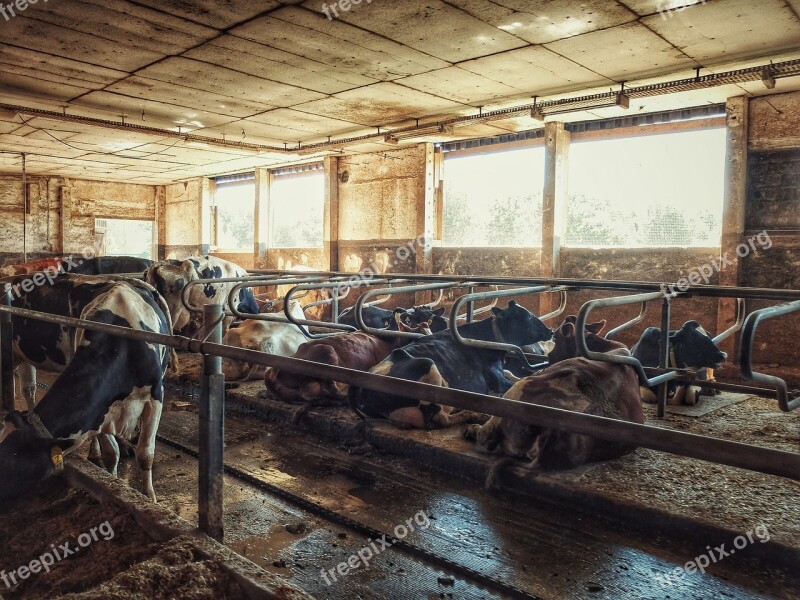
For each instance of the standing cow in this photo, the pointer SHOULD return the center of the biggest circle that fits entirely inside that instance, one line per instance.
(170, 276)
(439, 360)
(111, 385)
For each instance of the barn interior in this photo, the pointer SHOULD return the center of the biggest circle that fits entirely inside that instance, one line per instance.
(599, 148)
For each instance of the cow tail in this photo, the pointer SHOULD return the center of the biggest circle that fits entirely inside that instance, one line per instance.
(352, 400)
(494, 471)
(173, 366)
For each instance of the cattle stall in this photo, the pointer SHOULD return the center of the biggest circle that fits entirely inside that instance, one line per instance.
(470, 300)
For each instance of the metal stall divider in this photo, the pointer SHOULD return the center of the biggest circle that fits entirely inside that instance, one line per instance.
(747, 456)
(6, 356)
(519, 352)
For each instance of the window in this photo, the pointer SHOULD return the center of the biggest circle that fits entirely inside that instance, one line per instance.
(297, 202)
(234, 204)
(647, 191)
(493, 199)
(124, 237)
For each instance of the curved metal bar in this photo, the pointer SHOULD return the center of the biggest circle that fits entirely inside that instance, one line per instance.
(740, 312)
(398, 290)
(470, 315)
(583, 349)
(628, 324)
(325, 301)
(746, 353)
(254, 282)
(482, 344)
(185, 292)
(561, 307)
(339, 327)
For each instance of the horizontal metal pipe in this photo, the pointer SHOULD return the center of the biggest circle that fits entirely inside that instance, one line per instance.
(755, 458)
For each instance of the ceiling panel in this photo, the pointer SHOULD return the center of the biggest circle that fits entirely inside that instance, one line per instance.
(459, 85)
(434, 27)
(380, 104)
(337, 44)
(220, 14)
(628, 50)
(542, 21)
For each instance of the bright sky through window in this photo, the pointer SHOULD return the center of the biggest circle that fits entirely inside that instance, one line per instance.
(235, 203)
(297, 202)
(494, 199)
(647, 191)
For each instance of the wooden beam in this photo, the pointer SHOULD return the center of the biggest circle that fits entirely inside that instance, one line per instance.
(733, 211)
(554, 205)
(330, 219)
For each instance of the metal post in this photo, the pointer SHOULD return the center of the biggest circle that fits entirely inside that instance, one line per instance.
(470, 307)
(335, 304)
(6, 357)
(212, 428)
(663, 356)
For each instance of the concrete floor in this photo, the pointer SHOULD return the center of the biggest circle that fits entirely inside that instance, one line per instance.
(550, 551)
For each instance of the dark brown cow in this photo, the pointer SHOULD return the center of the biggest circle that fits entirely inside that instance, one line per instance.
(575, 384)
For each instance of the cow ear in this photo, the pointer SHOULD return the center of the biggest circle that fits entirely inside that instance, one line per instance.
(691, 325)
(567, 329)
(596, 328)
(497, 312)
(512, 303)
(439, 312)
(16, 419)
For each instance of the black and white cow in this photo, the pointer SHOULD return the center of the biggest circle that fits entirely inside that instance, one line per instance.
(110, 386)
(439, 360)
(690, 347)
(170, 276)
(104, 265)
(381, 318)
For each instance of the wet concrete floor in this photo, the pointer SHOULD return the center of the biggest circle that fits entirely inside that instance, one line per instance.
(550, 551)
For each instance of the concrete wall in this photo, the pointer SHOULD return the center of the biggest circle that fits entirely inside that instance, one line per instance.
(183, 214)
(69, 207)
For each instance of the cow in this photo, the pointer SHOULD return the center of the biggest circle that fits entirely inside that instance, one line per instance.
(281, 338)
(111, 385)
(105, 265)
(690, 347)
(569, 383)
(439, 360)
(170, 276)
(381, 318)
(352, 350)
(34, 266)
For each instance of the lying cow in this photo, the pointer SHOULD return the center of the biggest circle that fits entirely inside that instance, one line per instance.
(109, 386)
(353, 350)
(381, 318)
(281, 338)
(170, 276)
(439, 360)
(34, 266)
(690, 347)
(570, 383)
(105, 265)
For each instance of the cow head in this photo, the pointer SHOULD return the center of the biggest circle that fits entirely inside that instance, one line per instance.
(247, 302)
(566, 347)
(27, 458)
(422, 317)
(518, 326)
(695, 348)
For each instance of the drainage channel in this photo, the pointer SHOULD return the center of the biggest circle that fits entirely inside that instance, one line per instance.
(483, 579)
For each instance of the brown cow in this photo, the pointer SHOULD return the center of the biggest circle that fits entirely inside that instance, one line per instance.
(353, 350)
(576, 384)
(34, 266)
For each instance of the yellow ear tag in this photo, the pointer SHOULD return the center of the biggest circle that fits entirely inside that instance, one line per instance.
(57, 458)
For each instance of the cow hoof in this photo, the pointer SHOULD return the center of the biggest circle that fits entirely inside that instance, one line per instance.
(470, 432)
(691, 396)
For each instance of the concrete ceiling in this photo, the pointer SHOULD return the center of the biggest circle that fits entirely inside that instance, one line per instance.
(281, 72)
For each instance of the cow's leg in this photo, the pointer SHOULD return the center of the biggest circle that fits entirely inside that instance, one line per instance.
(146, 447)
(110, 452)
(445, 417)
(485, 436)
(27, 378)
(95, 455)
(497, 381)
